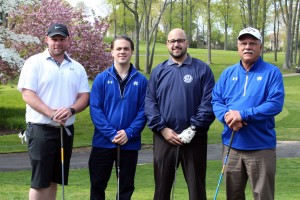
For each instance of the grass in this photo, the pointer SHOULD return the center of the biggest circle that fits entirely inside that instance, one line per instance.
(287, 183)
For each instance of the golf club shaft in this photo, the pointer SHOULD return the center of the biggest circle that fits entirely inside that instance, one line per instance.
(62, 161)
(176, 164)
(224, 164)
(118, 171)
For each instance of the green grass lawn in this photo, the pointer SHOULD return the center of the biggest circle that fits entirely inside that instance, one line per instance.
(15, 185)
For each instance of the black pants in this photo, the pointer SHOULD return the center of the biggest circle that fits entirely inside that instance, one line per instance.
(100, 167)
(192, 157)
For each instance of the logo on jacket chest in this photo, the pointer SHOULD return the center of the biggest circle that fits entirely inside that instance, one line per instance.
(258, 78)
(188, 78)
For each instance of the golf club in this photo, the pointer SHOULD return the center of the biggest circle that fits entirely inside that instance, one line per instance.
(118, 171)
(224, 164)
(176, 167)
(62, 161)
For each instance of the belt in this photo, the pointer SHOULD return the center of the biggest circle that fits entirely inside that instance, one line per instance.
(51, 126)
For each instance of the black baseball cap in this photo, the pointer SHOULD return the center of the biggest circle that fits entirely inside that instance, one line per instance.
(58, 29)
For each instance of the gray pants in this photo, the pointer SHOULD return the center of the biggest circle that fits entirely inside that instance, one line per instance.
(258, 166)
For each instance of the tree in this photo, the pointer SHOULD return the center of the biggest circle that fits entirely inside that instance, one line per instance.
(275, 29)
(223, 8)
(133, 8)
(10, 60)
(297, 33)
(264, 25)
(121, 19)
(151, 33)
(287, 13)
(87, 45)
(208, 34)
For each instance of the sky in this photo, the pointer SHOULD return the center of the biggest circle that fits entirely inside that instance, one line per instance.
(99, 6)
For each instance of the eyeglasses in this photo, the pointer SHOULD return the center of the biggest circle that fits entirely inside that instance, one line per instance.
(179, 41)
(251, 44)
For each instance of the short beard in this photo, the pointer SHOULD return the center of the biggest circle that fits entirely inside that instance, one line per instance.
(178, 56)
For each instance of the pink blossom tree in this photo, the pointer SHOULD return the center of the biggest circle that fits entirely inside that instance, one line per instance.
(87, 45)
(10, 60)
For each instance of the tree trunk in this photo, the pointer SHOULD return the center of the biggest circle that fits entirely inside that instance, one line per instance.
(287, 61)
(171, 11)
(191, 21)
(182, 20)
(263, 26)
(250, 20)
(115, 21)
(296, 33)
(274, 32)
(149, 34)
(137, 43)
(135, 13)
(208, 34)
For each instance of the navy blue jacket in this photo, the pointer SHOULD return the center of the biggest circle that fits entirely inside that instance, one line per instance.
(111, 111)
(180, 96)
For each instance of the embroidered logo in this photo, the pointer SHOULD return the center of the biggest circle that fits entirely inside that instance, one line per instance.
(135, 83)
(259, 78)
(109, 82)
(235, 78)
(188, 78)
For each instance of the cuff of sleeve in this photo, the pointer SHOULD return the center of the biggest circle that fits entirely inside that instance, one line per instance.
(243, 115)
(160, 129)
(129, 134)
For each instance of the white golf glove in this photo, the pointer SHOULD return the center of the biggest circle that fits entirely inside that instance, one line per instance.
(187, 135)
(22, 135)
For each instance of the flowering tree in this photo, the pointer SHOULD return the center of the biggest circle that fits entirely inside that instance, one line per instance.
(10, 60)
(87, 45)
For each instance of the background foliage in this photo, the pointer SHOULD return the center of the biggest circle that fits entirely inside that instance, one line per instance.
(87, 45)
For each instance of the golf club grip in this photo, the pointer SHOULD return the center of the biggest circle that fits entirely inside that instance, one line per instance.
(231, 139)
(62, 155)
(62, 144)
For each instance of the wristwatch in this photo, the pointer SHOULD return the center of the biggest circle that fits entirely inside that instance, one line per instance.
(72, 111)
(193, 127)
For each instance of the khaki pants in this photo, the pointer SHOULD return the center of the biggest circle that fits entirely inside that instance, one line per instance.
(258, 166)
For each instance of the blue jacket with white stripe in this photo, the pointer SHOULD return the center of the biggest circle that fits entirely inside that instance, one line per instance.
(258, 94)
(111, 111)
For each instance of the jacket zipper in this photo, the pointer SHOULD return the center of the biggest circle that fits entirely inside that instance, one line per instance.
(119, 84)
(246, 83)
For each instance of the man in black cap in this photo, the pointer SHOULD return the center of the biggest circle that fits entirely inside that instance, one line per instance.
(54, 87)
